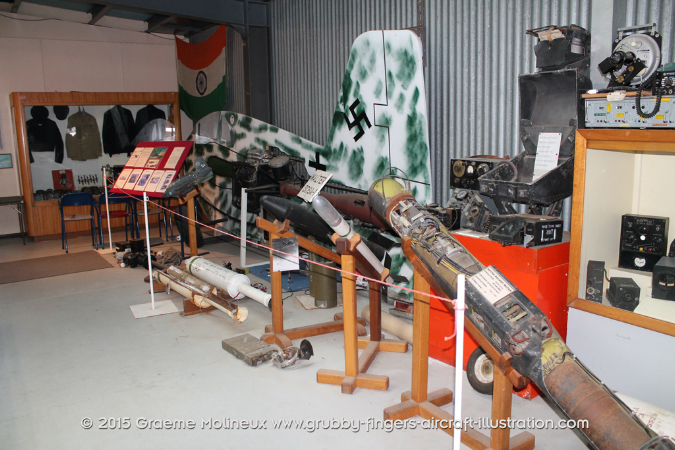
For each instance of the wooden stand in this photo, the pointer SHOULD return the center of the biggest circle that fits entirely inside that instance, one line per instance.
(189, 199)
(275, 333)
(354, 374)
(418, 402)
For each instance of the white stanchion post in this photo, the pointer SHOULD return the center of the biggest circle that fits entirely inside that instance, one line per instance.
(147, 240)
(107, 208)
(459, 359)
(242, 242)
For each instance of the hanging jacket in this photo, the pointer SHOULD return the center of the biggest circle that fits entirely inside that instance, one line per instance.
(43, 134)
(83, 140)
(147, 114)
(118, 131)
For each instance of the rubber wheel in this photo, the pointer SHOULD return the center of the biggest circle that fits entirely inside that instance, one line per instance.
(480, 371)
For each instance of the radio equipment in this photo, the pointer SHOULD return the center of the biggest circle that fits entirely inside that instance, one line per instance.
(465, 172)
(623, 293)
(644, 240)
(595, 279)
(663, 279)
(527, 229)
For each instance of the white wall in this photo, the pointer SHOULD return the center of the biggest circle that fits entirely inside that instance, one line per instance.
(52, 55)
(628, 359)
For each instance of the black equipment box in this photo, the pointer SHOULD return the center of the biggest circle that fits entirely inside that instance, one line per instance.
(465, 172)
(572, 49)
(644, 240)
(527, 229)
(663, 279)
(623, 293)
(595, 280)
(549, 103)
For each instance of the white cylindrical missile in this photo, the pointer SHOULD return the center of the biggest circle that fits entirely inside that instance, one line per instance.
(198, 292)
(342, 228)
(236, 284)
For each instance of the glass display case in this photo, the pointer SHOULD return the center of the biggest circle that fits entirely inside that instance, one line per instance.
(623, 222)
(64, 140)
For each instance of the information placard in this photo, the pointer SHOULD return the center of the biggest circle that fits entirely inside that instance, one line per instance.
(314, 185)
(152, 167)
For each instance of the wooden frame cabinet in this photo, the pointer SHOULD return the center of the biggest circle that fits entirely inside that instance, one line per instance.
(619, 172)
(43, 218)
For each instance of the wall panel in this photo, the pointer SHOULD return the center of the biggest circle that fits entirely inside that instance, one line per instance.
(475, 50)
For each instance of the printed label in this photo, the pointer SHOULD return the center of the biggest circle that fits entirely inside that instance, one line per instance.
(491, 284)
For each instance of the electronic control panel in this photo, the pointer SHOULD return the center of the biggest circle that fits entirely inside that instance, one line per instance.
(465, 172)
(601, 113)
(644, 240)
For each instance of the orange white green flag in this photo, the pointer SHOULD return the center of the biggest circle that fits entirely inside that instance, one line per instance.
(201, 74)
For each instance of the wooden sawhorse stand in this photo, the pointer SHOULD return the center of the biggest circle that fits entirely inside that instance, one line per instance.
(356, 367)
(418, 402)
(275, 333)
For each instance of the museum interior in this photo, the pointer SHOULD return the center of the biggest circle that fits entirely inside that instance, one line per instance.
(253, 223)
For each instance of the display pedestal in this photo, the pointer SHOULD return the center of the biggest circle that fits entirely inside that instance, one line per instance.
(275, 333)
(355, 374)
(539, 272)
(418, 402)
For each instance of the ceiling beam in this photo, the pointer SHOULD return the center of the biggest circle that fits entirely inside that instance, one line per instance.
(157, 21)
(220, 12)
(15, 6)
(98, 12)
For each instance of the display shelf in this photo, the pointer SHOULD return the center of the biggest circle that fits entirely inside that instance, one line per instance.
(619, 172)
(43, 217)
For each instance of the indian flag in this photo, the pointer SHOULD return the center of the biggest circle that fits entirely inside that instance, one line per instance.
(201, 75)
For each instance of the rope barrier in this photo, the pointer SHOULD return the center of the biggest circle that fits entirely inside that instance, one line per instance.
(263, 246)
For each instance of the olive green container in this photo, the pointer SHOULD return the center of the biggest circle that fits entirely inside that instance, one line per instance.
(323, 283)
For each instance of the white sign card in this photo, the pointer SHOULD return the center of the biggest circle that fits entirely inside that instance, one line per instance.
(143, 180)
(285, 263)
(122, 179)
(133, 179)
(548, 149)
(166, 180)
(155, 178)
(174, 157)
(133, 159)
(143, 158)
(314, 185)
(491, 284)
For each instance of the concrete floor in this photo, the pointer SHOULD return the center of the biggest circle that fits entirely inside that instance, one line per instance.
(71, 349)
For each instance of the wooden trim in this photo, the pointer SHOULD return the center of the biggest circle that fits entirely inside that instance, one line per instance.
(95, 98)
(577, 220)
(22, 99)
(636, 141)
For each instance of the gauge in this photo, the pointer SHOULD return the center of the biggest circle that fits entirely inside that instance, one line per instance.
(458, 168)
(483, 168)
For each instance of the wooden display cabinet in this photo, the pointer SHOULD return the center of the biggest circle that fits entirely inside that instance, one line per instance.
(619, 172)
(42, 217)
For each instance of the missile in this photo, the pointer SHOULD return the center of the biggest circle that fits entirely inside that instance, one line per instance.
(512, 324)
(303, 221)
(199, 292)
(184, 184)
(353, 205)
(342, 228)
(235, 284)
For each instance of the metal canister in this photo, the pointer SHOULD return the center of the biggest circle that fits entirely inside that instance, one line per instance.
(322, 283)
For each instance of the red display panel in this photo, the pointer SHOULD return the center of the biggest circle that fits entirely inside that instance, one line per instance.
(152, 167)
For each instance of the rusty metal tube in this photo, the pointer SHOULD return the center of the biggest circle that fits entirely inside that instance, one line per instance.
(354, 205)
(610, 424)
